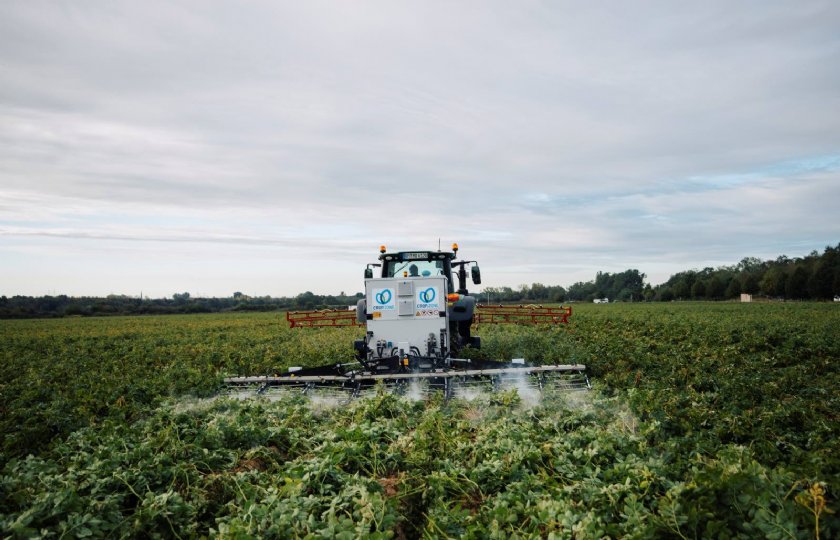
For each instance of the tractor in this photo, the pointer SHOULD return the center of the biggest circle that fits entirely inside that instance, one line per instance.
(418, 315)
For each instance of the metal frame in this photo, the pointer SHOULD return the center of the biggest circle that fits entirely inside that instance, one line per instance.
(323, 317)
(450, 382)
(526, 314)
(433, 374)
(484, 314)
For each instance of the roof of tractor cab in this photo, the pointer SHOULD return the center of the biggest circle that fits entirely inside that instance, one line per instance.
(417, 256)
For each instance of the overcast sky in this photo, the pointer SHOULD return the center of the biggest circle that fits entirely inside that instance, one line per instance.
(271, 147)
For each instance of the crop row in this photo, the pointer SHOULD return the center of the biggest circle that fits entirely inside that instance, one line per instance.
(388, 467)
(707, 420)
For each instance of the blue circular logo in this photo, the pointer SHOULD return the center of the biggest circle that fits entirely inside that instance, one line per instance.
(428, 296)
(383, 296)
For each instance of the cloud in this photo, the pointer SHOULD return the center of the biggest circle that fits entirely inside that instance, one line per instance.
(550, 140)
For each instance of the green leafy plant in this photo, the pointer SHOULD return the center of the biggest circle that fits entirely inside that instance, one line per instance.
(707, 420)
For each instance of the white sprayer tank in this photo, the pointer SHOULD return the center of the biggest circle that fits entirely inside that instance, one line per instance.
(406, 312)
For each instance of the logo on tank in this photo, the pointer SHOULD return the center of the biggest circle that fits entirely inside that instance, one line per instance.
(428, 299)
(383, 300)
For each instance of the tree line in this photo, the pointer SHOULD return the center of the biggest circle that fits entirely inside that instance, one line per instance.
(624, 286)
(813, 277)
(19, 307)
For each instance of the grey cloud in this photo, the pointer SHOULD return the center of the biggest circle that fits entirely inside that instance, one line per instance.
(552, 133)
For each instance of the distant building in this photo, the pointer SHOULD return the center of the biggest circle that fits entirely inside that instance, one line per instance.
(746, 297)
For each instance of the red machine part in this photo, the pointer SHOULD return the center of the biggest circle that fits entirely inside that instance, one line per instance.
(523, 314)
(484, 314)
(323, 317)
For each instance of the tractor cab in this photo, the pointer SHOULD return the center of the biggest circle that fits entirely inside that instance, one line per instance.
(424, 264)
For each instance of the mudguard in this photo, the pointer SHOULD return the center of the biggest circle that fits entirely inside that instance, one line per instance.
(462, 310)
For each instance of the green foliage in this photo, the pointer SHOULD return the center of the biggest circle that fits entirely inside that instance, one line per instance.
(624, 286)
(385, 467)
(795, 286)
(62, 374)
(733, 289)
(698, 290)
(811, 277)
(25, 307)
(708, 420)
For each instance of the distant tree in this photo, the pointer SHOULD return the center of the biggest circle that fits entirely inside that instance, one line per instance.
(796, 284)
(820, 283)
(689, 277)
(836, 283)
(75, 309)
(714, 288)
(537, 291)
(698, 290)
(733, 289)
(749, 283)
(306, 300)
(749, 264)
(773, 282)
(681, 290)
(666, 294)
(581, 291)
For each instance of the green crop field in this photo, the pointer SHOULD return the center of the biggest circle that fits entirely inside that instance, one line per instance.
(706, 420)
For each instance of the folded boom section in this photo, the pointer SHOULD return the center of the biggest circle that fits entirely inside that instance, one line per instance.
(484, 314)
(322, 317)
(522, 314)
